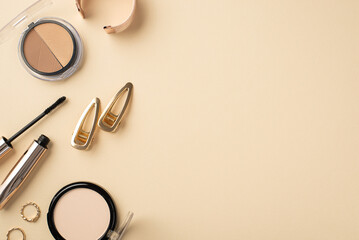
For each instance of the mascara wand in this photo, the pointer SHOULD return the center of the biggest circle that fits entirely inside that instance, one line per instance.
(5, 144)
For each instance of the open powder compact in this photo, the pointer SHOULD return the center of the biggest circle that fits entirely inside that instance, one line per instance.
(83, 210)
(49, 48)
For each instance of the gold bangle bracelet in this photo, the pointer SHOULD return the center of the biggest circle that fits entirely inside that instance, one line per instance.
(112, 29)
(33, 219)
(15, 229)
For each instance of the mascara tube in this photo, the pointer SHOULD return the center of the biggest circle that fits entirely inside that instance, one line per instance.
(5, 147)
(22, 169)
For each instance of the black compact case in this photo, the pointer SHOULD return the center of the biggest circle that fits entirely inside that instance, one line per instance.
(50, 215)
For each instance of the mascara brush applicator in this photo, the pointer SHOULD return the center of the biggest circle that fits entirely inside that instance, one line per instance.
(5, 144)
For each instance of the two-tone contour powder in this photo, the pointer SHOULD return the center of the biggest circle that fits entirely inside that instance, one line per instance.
(50, 49)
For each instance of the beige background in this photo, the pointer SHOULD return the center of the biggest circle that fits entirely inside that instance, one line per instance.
(244, 122)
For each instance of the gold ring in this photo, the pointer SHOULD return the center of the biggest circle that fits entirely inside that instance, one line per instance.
(38, 212)
(15, 229)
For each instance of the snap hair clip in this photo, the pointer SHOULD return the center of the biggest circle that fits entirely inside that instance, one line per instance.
(109, 121)
(112, 29)
(81, 139)
(30, 219)
(13, 230)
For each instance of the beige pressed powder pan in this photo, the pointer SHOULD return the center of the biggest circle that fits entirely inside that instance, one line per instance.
(71, 214)
(83, 210)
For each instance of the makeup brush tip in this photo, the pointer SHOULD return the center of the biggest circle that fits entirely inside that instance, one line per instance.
(62, 99)
(53, 106)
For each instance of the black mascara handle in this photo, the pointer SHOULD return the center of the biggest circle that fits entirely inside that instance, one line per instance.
(53, 106)
(47, 111)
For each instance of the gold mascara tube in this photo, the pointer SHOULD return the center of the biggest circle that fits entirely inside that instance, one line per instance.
(22, 169)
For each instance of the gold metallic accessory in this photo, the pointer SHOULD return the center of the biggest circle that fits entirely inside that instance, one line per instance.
(112, 29)
(82, 139)
(15, 229)
(22, 169)
(33, 219)
(109, 121)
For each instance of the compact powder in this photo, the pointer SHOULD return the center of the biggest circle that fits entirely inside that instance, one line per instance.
(38, 55)
(81, 214)
(48, 47)
(58, 40)
(81, 211)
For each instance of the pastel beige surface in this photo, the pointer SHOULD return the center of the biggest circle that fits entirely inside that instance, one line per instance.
(244, 122)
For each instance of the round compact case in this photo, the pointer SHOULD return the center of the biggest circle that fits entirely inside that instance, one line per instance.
(83, 210)
(49, 48)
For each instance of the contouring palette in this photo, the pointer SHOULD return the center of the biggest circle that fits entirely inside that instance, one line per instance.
(48, 48)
